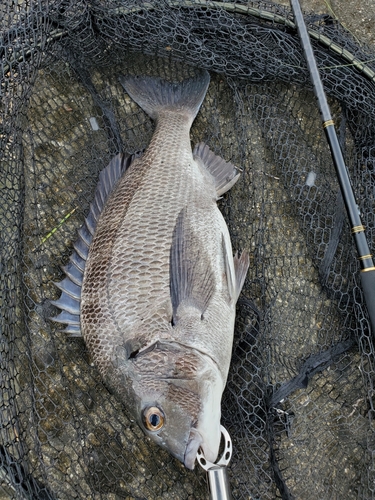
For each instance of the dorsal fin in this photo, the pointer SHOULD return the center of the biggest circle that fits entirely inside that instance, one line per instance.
(71, 285)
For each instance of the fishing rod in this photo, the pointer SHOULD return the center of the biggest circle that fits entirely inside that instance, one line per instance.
(358, 230)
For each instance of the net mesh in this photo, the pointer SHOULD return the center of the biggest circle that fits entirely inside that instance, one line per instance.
(299, 402)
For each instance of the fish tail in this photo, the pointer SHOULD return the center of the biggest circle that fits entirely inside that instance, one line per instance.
(155, 95)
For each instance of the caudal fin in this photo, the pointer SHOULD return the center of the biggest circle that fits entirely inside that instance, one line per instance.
(155, 94)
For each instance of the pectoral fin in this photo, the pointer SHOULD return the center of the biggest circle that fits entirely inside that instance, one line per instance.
(191, 278)
(225, 174)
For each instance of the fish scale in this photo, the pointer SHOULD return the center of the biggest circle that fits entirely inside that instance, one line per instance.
(160, 284)
(146, 234)
(95, 314)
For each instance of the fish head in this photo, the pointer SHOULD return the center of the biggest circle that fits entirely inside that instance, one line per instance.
(174, 393)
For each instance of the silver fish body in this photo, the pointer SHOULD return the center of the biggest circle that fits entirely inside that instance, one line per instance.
(160, 284)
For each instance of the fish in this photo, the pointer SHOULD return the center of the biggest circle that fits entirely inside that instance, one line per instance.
(153, 283)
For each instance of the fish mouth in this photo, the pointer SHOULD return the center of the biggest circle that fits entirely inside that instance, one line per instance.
(194, 443)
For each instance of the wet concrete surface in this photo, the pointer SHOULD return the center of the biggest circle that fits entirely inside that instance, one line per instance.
(357, 16)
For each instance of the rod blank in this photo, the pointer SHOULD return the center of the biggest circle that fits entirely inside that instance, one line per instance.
(358, 231)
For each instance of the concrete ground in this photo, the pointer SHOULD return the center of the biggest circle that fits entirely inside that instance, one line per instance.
(357, 16)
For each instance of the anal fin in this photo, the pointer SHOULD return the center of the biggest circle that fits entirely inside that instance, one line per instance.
(225, 174)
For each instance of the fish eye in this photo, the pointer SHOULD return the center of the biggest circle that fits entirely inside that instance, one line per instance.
(153, 418)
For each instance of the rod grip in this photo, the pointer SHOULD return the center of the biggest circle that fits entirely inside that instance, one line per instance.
(368, 285)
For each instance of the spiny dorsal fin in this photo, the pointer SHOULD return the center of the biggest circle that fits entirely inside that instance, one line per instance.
(191, 278)
(71, 286)
(224, 173)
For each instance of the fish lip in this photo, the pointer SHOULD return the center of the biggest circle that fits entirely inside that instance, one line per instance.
(191, 451)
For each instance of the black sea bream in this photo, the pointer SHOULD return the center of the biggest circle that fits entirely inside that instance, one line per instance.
(153, 284)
